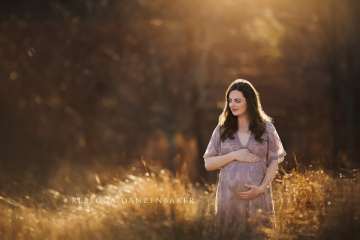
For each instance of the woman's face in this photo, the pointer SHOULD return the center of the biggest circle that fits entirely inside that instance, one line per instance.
(237, 103)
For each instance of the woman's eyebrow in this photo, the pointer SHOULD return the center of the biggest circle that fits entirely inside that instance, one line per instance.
(234, 98)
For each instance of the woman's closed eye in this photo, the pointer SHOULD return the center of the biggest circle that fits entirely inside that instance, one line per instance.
(237, 100)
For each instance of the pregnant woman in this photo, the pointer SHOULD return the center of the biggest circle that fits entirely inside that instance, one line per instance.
(246, 148)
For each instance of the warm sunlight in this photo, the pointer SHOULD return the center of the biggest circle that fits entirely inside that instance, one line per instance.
(191, 119)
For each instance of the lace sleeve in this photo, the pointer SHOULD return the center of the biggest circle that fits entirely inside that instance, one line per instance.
(213, 147)
(275, 147)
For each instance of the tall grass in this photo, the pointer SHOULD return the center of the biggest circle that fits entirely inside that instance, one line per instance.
(155, 205)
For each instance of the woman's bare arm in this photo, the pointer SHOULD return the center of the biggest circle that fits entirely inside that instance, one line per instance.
(217, 162)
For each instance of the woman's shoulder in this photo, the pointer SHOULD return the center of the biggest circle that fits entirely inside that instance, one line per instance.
(220, 127)
(269, 126)
(217, 130)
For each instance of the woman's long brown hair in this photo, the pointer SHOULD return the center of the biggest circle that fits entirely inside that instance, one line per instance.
(257, 117)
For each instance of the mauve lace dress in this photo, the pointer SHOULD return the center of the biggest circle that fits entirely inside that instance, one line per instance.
(237, 215)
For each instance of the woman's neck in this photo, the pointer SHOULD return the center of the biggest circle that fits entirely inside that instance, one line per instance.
(243, 123)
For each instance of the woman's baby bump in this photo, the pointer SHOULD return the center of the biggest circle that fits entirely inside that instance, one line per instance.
(236, 174)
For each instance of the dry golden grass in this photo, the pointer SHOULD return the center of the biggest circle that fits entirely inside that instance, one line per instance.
(307, 203)
(154, 205)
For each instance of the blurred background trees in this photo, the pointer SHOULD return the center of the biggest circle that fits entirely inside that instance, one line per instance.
(114, 82)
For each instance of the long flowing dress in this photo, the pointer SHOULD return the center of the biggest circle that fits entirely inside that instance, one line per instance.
(235, 216)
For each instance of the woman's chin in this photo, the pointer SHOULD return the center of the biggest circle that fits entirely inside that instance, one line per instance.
(238, 114)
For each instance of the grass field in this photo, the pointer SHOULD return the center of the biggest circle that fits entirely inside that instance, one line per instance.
(153, 205)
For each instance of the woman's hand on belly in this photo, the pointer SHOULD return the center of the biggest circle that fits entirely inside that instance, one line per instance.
(243, 155)
(252, 193)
